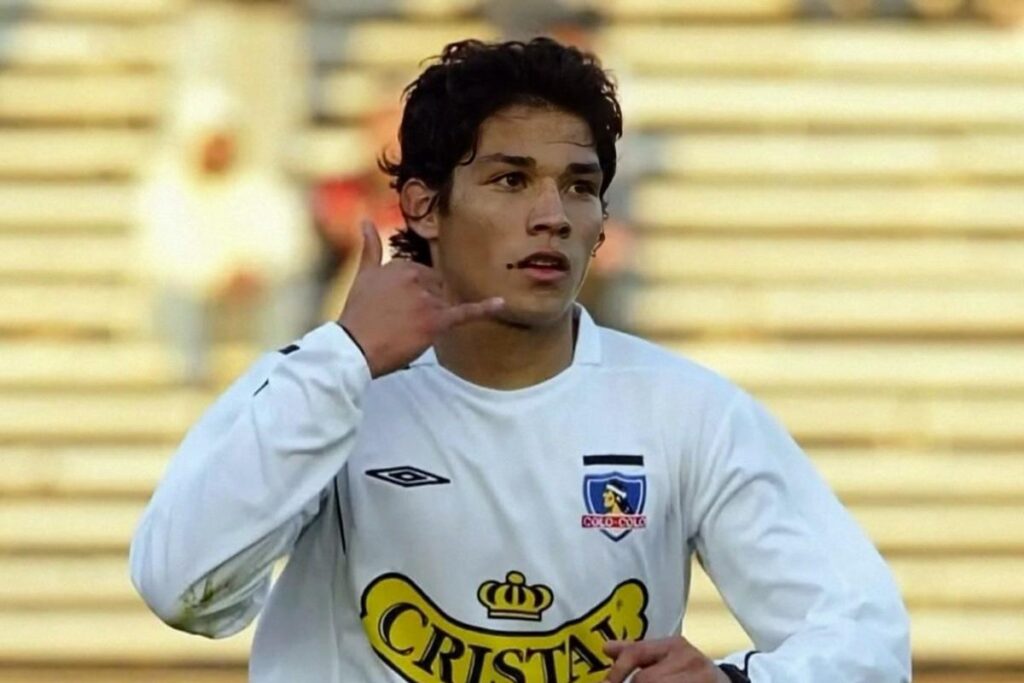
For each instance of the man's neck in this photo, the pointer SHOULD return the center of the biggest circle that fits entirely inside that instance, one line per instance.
(499, 356)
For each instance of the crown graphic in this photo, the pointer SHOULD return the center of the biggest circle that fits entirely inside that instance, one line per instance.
(514, 599)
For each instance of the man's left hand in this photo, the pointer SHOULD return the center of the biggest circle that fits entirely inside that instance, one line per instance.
(667, 660)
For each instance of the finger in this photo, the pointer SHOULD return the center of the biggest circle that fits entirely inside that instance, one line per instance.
(373, 250)
(614, 647)
(669, 668)
(434, 287)
(625, 663)
(632, 656)
(464, 313)
(657, 648)
(427, 278)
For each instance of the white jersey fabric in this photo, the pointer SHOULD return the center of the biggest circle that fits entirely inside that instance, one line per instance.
(443, 531)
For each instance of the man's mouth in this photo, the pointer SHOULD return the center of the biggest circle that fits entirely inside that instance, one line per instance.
(548, 267)
(545, 260)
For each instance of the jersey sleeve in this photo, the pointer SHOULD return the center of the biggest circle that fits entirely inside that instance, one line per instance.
(249, 475)
(791, 563)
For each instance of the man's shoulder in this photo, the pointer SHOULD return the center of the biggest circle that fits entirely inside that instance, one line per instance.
(624, 352)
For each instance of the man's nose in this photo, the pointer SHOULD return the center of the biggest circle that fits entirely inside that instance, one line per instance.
(549, 212)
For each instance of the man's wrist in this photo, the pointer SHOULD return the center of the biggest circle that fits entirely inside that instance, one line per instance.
(734, 673)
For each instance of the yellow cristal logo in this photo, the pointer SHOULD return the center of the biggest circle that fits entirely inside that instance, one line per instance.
(423, 644)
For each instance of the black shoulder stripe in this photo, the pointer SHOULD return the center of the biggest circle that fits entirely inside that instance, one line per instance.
(262, 386)
(627, 460)
(341, 519)
(291, 348)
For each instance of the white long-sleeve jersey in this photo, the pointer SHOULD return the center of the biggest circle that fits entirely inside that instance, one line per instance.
(442, 531)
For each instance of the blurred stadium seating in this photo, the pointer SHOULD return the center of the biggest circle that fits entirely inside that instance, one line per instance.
(834, 218)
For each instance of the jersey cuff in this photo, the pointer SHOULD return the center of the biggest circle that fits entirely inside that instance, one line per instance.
(734, 673)
(354, 341)
(334, 341)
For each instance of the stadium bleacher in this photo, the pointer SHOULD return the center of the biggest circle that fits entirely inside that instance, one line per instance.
(834, 218)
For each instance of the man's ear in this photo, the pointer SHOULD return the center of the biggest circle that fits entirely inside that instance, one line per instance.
(600, 241)
(419, 206)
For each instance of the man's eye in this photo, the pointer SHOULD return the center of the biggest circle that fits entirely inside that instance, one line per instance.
(584, 187)
(511, 180)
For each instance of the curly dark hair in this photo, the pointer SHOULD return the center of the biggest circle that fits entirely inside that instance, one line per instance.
(447, 103)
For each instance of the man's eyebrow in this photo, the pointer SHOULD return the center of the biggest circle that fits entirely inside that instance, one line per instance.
(525, 162)
(583, 168)
(578, 168)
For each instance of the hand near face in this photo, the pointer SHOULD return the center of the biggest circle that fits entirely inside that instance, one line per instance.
(396, 310)
(667, 660)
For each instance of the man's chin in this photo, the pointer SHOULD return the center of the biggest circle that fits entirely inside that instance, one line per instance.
(534, 311)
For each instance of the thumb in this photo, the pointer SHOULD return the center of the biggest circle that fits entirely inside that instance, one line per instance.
(372, 247)
(464, 313)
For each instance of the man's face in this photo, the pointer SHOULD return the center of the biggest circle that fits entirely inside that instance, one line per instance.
(533, 186)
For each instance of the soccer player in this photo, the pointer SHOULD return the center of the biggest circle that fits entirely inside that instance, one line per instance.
(435, 463)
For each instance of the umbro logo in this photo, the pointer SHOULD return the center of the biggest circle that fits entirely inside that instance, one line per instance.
(407, 476)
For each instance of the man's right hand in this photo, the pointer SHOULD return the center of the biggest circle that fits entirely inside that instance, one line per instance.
(395, 311)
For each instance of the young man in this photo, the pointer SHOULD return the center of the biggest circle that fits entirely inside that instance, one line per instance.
(436, 463)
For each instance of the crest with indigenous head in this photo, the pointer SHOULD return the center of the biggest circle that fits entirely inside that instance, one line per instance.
(614, 503)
